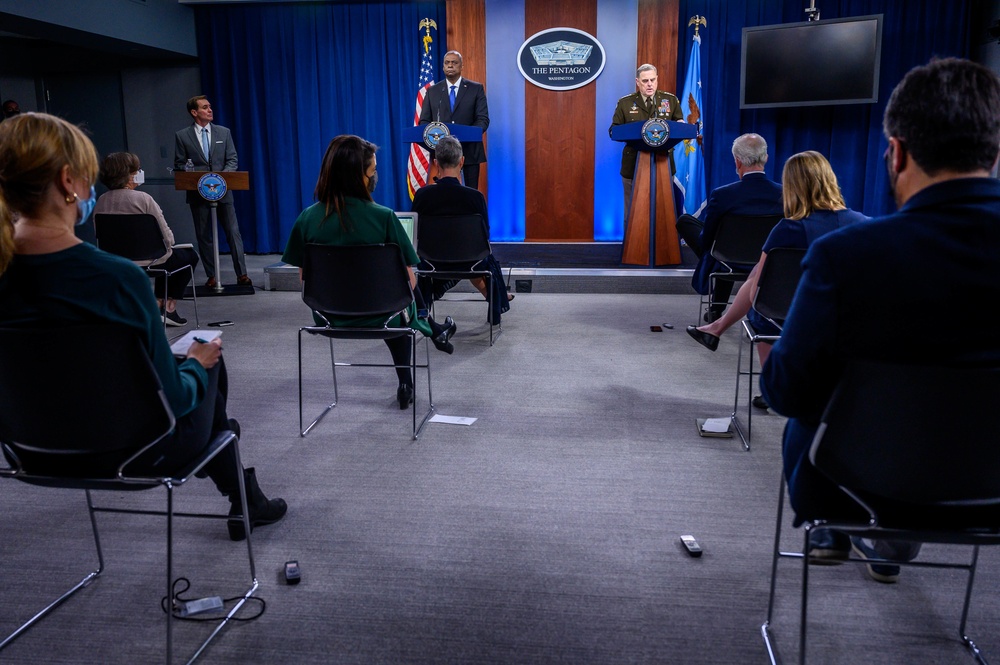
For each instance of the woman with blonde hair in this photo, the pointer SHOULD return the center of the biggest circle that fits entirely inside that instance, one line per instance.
(813, 207)
(49, 277)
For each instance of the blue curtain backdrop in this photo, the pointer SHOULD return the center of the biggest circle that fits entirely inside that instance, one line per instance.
(850, 136)
(287, 78)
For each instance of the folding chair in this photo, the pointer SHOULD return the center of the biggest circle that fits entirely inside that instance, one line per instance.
(738, 242)
(775, 289)
(137, 237)
(455, 246)
(64, 402)
(921, 466)
(363, 282)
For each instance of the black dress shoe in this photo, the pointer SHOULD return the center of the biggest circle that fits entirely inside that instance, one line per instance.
(708, 340)
(760, 403)
(444, 334)
(449, 326)
(404, 394)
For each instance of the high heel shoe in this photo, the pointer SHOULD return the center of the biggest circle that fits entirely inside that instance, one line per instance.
(708, 340)
(440, 340)
(404, 395)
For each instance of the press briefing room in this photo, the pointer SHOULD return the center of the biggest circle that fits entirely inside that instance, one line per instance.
(666, 287)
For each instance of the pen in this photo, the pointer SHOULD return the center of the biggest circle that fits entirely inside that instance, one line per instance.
(200, 340)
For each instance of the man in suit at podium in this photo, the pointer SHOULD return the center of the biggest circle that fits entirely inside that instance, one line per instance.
(210, 148)
(463, 102)
(645, 103)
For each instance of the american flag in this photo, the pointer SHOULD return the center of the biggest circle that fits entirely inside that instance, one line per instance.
(419, 164)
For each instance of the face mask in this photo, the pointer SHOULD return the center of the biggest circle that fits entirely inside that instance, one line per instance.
(84, 208)
(139, 177)
(372, 181)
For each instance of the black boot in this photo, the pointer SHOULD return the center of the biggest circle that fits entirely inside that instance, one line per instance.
(262, 510)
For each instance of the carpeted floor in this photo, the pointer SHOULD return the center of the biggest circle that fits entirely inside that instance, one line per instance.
(546, 532)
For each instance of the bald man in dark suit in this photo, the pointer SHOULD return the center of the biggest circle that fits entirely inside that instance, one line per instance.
(469, 108)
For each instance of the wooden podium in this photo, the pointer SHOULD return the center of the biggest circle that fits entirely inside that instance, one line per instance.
(650, 234)
(234, 180)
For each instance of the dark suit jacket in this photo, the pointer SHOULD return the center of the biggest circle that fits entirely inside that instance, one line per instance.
(222, 154)
(865, 290)
(753, 195)
(470, 109)
(451, 197)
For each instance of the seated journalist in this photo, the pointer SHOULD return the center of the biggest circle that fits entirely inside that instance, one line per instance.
(122, 174)
(49, 277)
(753, 194)
(450, 197)
(814, 207)
(344, 214)
(865, 286)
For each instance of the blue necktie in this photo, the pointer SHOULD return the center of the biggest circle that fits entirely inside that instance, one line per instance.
(451, 96)
(204, 141)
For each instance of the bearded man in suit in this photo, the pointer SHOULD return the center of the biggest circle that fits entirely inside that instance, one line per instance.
(210, 148)
(462, 102)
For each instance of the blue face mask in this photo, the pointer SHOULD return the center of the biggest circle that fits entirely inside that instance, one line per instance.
(84, 208)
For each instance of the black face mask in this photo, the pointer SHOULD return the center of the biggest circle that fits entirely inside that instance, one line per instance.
(372, 181)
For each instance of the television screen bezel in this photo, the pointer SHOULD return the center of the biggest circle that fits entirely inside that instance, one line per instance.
(878, 18)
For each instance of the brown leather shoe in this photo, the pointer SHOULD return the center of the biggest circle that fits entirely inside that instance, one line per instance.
(211, 283)
(243, 280)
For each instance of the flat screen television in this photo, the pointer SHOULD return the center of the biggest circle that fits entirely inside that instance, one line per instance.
(812, 63)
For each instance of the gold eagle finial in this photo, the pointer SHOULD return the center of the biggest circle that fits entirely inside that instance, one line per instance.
(697, 21)
(427, 24)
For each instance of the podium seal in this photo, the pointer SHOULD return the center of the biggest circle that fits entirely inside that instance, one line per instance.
(212, 187)
(655, 132)
(433, 133)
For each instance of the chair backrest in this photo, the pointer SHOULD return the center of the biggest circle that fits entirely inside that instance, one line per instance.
(448, 239)
(913, 434)
(777, 283)
(137, 237)
(355, 280)
(77, 390)
(740, 238)
(409, 222)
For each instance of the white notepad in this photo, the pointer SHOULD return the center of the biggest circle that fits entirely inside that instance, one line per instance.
(180, 346)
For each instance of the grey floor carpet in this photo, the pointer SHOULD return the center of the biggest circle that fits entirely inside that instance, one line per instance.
(546, 532)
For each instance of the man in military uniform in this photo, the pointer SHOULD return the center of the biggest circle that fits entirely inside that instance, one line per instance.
(647, 102)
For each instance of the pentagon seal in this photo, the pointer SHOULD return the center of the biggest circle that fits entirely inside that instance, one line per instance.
(212, 187)
(433, 133)
(655, 132)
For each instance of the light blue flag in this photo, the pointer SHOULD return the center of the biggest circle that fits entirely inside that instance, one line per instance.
(689, 155)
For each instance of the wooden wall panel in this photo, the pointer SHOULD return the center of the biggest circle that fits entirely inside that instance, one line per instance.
(657, 40)
(559, 138)
(467, 35)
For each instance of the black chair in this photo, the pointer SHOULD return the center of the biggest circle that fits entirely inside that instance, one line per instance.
(921, 465)
(137, 237)
(64, 403)
(775, 289)
(455, 247)
(360, 281)
(738, 242)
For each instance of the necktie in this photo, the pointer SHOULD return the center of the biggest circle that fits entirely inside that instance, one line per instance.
(649, 107)
(451, 96)
(204, 141)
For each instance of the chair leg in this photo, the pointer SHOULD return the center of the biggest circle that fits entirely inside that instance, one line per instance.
(90, 577)
(194, 297)
(417, 429)
(333, 369)
(744, 436)
(254, 583)
(976, 653)
(776, 554)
